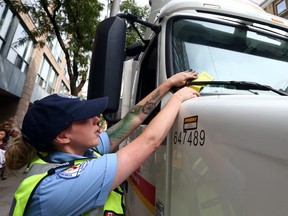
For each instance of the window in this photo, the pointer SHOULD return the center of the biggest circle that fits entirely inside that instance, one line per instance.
(56, 50)
(148, 77)
(20, 55)
(63, 89)
(6, 19)
(229, 52)
(52, 81)
(2, 9)
(281, 7)
(47, 76)
(66, 73)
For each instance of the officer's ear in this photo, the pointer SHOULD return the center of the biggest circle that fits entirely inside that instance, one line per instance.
(62, 138)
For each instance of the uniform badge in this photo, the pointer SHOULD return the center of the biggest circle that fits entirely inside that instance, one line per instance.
(73, 171)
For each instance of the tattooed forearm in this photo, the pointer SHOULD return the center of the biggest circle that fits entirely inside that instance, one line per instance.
(151, 104)
(121, 130)
(148, 107)
(135, 110)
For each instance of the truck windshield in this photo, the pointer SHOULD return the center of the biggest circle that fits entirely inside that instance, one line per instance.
(231, 52)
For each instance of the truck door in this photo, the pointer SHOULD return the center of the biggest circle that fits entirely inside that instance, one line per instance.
(141, 185)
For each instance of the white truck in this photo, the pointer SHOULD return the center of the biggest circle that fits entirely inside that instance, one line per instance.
(227, 153)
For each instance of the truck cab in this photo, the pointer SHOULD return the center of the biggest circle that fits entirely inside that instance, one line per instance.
(227, 151)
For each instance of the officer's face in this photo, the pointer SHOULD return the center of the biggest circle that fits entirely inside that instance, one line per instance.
(84, 134)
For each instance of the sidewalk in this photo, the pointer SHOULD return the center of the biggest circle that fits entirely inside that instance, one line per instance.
(7, 189)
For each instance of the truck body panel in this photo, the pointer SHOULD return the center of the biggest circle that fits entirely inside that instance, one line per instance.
(216, 164)
(237, 144)
(225, 157)
(227, 152)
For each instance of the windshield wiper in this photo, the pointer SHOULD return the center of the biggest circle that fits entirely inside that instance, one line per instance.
(241, 85)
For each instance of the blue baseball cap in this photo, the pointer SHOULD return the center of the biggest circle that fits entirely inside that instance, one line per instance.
(49, 116)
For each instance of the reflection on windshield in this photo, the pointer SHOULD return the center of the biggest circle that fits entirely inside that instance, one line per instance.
(230, 54)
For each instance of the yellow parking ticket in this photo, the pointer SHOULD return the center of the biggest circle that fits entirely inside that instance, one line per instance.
(203, 76)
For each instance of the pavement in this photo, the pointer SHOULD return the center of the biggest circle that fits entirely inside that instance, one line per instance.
(8, 188)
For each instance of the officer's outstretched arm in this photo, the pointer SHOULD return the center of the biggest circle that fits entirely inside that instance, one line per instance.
(134, 154)
(120, 131)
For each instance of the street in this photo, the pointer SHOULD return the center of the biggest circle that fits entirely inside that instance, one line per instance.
(7, 189)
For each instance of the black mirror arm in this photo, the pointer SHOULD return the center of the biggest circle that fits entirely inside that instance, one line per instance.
(132, 18)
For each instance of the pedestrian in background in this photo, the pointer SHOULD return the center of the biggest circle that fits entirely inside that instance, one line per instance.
(74, 171)
(7, 126)
(2, 161)
(3, 145)
(14, 135)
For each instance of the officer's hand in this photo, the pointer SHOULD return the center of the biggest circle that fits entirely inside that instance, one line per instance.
(180, 78)
(186, 93)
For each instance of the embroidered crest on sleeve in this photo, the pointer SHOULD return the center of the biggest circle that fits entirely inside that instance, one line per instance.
(73, 171)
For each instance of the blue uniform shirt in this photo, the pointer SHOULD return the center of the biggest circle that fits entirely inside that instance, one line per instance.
(74, 192)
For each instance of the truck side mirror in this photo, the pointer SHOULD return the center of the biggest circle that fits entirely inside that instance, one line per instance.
(107, 62)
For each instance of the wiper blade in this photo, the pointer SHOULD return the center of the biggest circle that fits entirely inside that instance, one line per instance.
(241, 85)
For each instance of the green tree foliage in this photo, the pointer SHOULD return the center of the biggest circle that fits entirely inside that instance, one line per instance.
(129, 6)
(73, 23)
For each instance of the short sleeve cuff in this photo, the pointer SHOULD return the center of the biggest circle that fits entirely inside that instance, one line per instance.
(104, 143)
(111, 167)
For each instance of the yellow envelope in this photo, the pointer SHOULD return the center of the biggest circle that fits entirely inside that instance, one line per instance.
(203, 76)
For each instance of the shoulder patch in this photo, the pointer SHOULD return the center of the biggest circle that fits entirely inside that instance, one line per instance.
(74, 171)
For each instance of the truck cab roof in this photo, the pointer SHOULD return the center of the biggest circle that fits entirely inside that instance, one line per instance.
(235, 8)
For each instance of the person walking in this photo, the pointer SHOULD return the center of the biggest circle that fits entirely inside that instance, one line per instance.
(75, 170)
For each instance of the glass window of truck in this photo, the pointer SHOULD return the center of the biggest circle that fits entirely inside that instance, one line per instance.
(230, 51)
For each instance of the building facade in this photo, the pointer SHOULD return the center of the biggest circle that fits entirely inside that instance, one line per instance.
(276, 7)
(27, 72)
